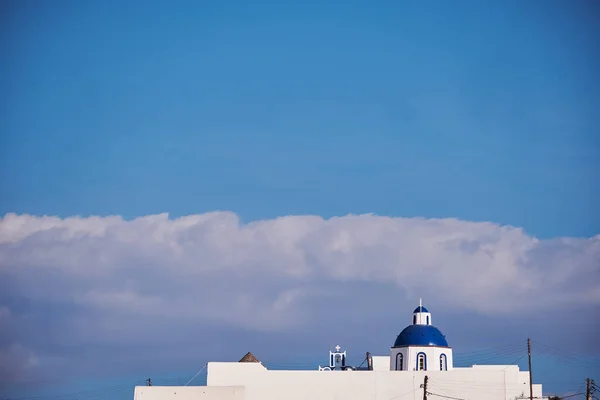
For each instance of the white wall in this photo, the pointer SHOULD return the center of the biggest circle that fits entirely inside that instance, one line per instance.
(381, 363)
(433, 354)
(504, 383)
(188, 393)
(394, 358)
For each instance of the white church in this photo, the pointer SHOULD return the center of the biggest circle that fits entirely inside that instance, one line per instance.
(419, 366)
(419, 344)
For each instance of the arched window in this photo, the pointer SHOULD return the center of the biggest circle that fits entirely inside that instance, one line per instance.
(443, 363)
(414, 319)
(428, 320)
(399, 362)
(421, 362)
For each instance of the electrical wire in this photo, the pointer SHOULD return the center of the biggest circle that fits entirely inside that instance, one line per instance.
(572, 395)
(438, 387)
(83, 393)
(403, 394)
(446, 397)
(514, 362)
(570, 358)
(197, 373)
(361, 364)
(486, 356)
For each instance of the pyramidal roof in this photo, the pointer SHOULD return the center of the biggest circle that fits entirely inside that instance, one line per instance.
(249, 357)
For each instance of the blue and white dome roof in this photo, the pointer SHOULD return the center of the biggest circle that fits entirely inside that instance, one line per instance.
(420, 309)
(421, 332)
(421, 335)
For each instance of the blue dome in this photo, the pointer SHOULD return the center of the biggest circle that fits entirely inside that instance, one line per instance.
(421, 335)
(420, 309)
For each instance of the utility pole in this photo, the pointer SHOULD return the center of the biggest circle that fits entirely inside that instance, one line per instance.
(530, 380)
(588, 389)
(425, 387)
(149, 382)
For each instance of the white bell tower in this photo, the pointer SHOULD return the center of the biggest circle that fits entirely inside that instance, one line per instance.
(337, 360)
(421, 316)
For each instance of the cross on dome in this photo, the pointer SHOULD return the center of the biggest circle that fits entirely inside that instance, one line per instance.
(420, 309)
(337, 348)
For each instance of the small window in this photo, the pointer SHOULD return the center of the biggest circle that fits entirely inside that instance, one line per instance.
(399, 362)
(421, 364)
(414, 320)
(428, 320)
(443, 363)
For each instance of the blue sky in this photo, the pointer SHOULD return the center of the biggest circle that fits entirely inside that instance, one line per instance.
(479, 111)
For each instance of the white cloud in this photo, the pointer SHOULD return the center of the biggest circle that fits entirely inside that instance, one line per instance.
(16, 362)
(108, 281)
(157, 265)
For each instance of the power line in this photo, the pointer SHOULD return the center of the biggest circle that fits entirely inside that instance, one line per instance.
(503, 347)
(440, 387)
(490, 355)
(83, 393)
(571, 395)
(403, 394)
(197, 373)
(446, 397)
(515, 362)
(566, 357)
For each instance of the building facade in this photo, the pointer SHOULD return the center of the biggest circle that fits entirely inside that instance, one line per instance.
(421, 346)
(420, 362)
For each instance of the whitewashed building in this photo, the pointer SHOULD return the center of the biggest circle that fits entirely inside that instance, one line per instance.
(421, 346)
(420, 362)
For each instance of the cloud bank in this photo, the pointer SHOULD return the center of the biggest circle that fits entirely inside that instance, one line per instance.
(106, 281)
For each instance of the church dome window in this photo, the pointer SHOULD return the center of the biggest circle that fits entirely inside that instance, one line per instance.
(443, 363)
(421, 362)
(400, 362)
